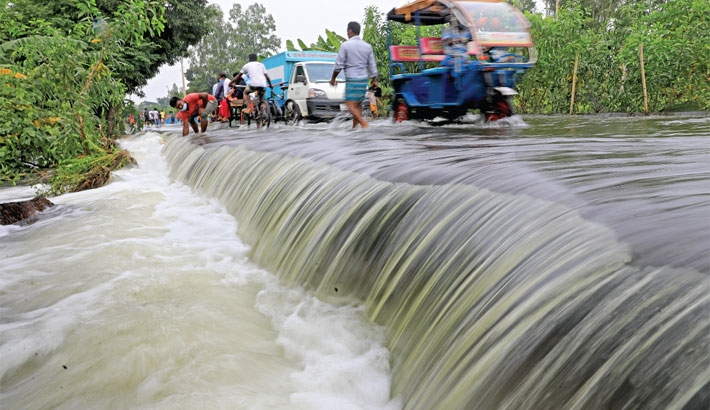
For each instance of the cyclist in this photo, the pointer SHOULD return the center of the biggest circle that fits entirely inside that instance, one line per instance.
(258, 77)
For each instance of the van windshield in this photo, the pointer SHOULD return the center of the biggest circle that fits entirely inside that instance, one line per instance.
(322, 72)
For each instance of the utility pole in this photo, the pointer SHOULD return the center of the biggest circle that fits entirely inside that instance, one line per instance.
(182, 74)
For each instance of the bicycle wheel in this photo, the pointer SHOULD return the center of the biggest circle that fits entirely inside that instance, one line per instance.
(292, 113)
(264, 114)
(365, 109)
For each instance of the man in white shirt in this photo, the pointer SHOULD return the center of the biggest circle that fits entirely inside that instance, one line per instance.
(258, 78)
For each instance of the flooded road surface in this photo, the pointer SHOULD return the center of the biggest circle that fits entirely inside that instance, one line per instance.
(537, 263)
(646, 178)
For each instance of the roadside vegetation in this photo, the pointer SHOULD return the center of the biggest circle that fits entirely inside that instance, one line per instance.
(66, 67)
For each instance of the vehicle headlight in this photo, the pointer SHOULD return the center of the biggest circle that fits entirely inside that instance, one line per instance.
(316, 93)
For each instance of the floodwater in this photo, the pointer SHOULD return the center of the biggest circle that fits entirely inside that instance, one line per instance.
(405, 266)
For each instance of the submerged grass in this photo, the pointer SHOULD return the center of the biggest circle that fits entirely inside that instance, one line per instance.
(86, 172)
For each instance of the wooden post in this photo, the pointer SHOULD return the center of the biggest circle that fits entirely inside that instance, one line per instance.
(574, 83)
(643, 81)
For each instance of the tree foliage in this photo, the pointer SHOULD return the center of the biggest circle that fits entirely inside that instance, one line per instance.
(604, 38)
(227, 47)
(331, 42)
(676, 51)
(66, 66)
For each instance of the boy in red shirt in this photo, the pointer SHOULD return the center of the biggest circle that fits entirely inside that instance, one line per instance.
(191, 106)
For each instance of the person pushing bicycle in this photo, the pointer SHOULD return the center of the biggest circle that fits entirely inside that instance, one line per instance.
(258, 78)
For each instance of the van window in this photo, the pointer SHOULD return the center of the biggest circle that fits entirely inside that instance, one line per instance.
(296, 73)
(323, 72)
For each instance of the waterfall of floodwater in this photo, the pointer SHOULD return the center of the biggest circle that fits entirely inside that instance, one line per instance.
(140, 295)
(489, 300)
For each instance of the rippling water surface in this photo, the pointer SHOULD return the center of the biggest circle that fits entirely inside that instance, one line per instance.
(646, 178)
(141, 294)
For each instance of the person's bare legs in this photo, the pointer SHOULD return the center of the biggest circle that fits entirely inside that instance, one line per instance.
(356, 112)
(192, 124)
(203, 120)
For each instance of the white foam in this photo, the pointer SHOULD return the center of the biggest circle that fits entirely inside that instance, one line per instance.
(140, 294)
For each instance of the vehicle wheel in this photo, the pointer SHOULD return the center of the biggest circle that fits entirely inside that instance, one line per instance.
(401, 110)
(365, 109)
(292, 113)
(265, 115)
(244, 117)
(500, 107)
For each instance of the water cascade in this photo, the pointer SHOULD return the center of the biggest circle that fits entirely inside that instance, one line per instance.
(490, 300)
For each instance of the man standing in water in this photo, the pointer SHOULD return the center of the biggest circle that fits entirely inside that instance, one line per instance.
(192, 105)
(358, 60)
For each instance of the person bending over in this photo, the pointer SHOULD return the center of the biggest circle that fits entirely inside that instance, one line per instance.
(192, 106)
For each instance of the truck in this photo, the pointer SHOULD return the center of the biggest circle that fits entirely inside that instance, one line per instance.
(303, 77)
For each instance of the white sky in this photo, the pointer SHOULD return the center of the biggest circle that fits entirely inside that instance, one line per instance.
(295, 19)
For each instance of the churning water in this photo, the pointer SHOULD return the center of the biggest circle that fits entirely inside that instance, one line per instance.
(551, 263)
(140, 295)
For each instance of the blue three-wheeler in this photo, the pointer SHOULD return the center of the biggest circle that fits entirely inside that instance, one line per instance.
(484, 48)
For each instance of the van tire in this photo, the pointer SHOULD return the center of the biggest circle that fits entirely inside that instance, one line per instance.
(292, 113)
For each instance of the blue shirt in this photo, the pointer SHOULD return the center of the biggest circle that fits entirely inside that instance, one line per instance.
(460, 36)
(356, 59)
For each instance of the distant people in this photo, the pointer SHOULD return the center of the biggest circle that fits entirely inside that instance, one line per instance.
(154, 116)
(146, 116)
(214, 88)
(192, 106)
(357, 59)
(222, 85)
(258, 77)
(222, 91)
(131, 122)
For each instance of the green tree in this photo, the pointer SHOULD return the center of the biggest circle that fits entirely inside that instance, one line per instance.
(185, 25)
(546, 88)
(227, 47)
(676, 45)
(58, 83)
(331, 42)
(171, 91)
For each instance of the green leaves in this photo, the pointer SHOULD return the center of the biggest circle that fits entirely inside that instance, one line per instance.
(227, 48)
(60, 90)
(676, 42)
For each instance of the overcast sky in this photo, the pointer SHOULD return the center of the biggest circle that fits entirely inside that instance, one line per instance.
(295, 19)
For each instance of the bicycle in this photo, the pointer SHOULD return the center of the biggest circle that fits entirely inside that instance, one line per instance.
(263, 114)
(256, 108)
(370, 106)
(282, 109)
